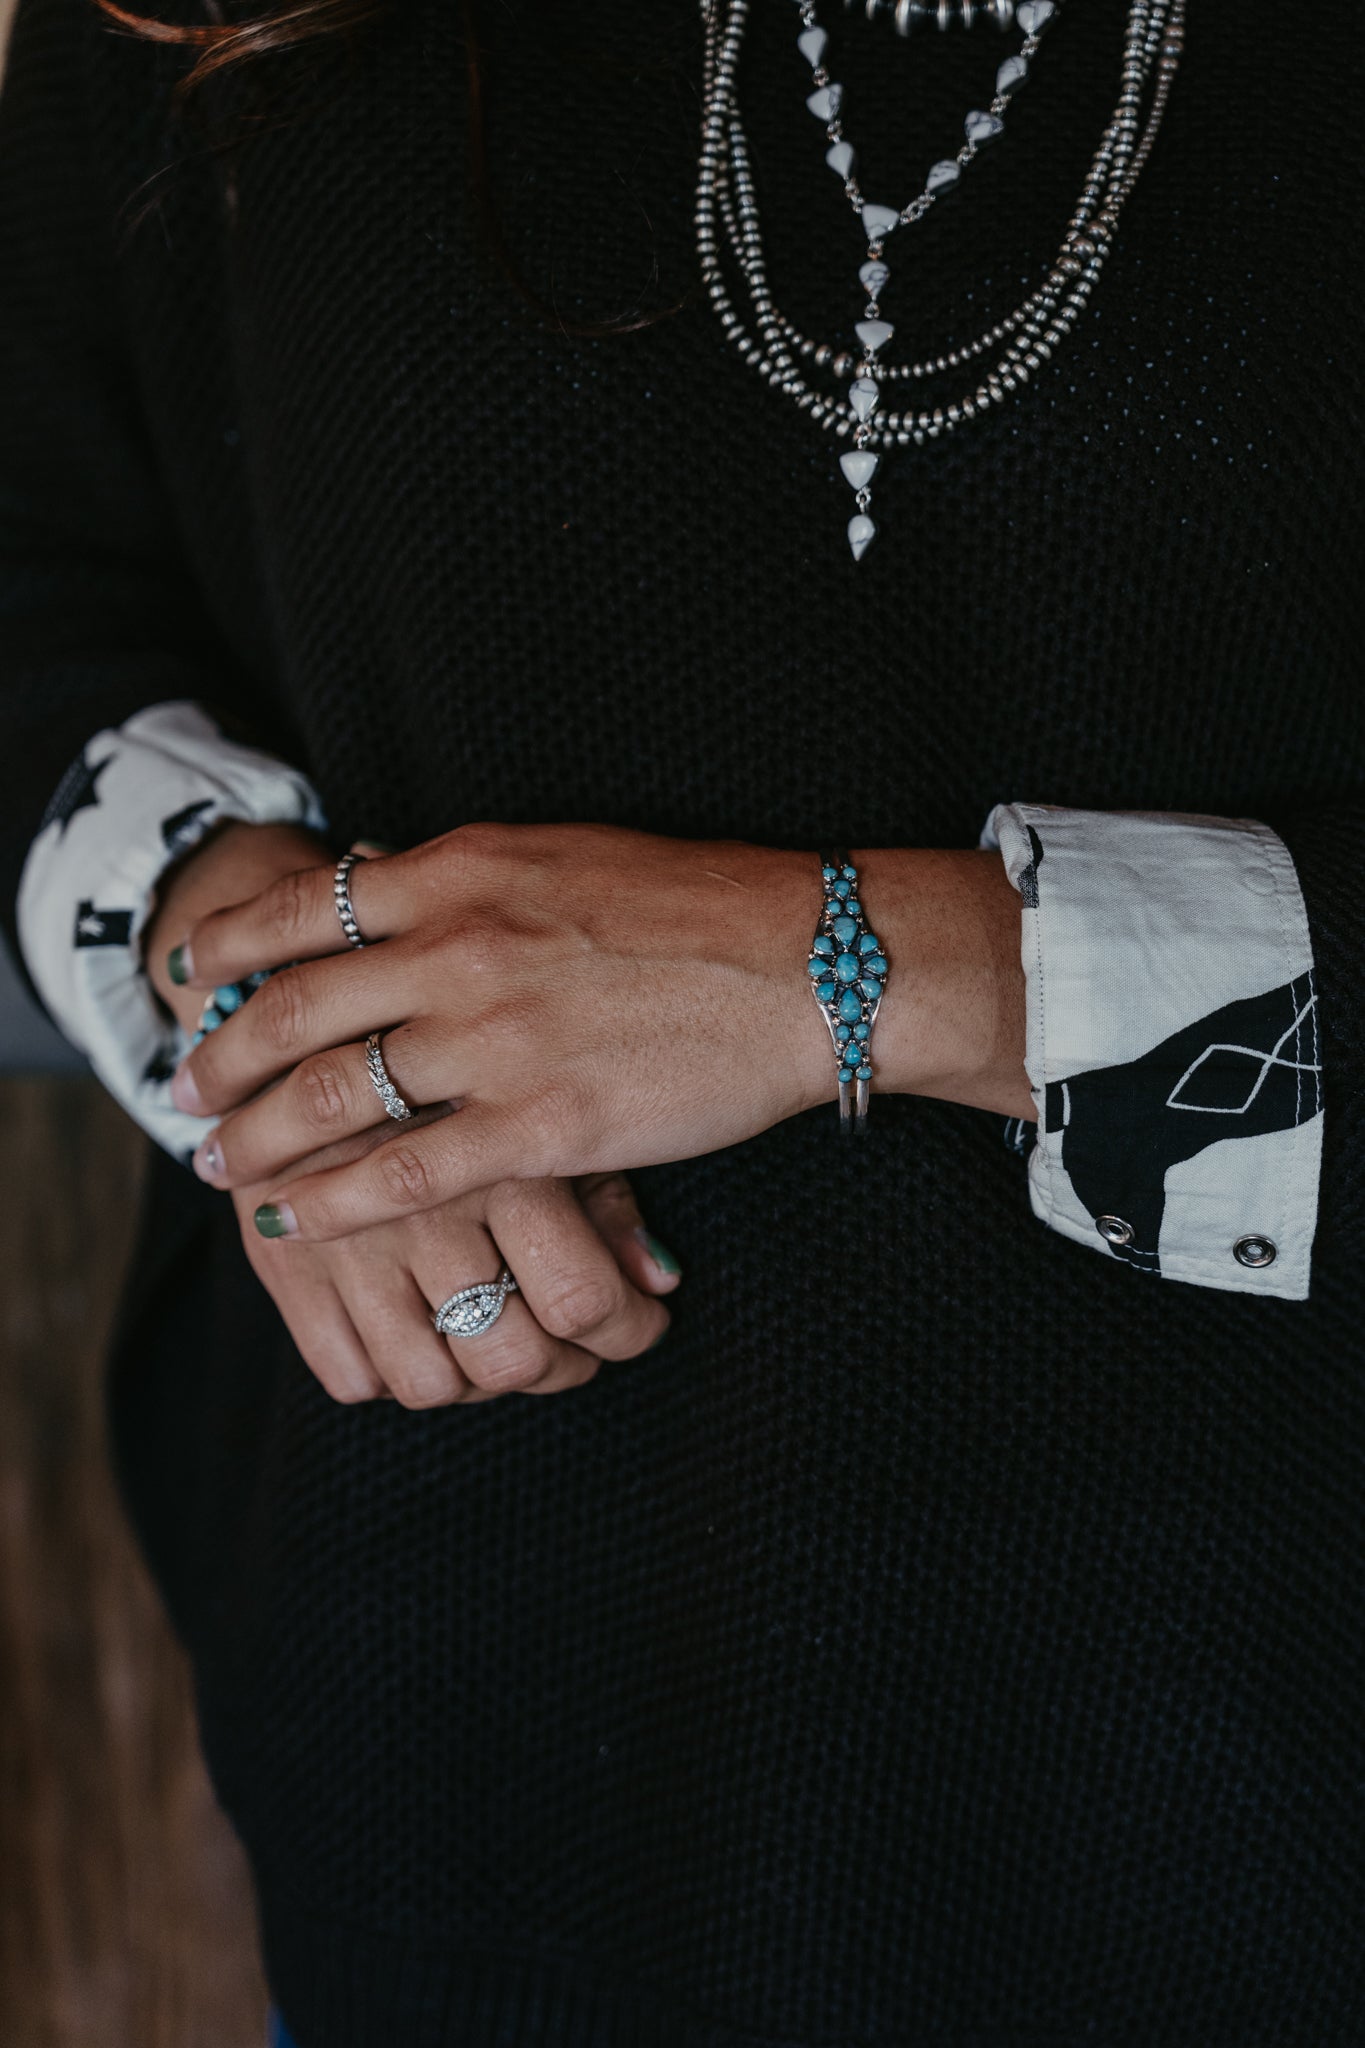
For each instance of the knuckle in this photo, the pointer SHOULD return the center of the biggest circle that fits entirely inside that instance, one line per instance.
(420, 1388)
(324, 1099)
(577, 1304)
(403, 1176)
(280, 1011)
(285, 908)
(515, 1362)
(548, 1122)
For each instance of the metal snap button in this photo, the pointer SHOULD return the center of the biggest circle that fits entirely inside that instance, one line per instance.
(1114, 1230)
(1254, 1251)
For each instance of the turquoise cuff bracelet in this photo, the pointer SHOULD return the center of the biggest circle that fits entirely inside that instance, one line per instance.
(848, 970)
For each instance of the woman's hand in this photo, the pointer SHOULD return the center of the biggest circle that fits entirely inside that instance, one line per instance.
(587, 998)
(360, 1311)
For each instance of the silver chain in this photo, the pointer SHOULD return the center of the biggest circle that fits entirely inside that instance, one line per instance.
(727, 209)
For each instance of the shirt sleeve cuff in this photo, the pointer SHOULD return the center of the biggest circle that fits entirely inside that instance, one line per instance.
(137, 799)
(1172, 1041)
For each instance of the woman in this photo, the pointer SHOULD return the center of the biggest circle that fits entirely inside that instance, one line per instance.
(949, 1632)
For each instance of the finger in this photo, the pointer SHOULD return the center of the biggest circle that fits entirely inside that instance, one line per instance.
(571, 1281)
(609, 1200)
(326, 1337)
(298, 1012)
(294, 918)
(327, 1098)
(390, 1316)
(472, 1148)
(514, 1355)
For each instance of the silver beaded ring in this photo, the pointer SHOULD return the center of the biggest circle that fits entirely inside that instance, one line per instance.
(474, 1309)
(341, 896)
(382, 1082)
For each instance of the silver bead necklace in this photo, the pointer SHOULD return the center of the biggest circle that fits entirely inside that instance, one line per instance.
(727, 209)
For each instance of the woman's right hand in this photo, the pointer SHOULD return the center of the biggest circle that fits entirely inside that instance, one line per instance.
(359, 1309)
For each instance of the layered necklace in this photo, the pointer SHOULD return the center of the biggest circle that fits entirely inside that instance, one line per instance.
(727, 215)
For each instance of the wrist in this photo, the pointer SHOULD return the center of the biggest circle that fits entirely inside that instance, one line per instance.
(951, 1024)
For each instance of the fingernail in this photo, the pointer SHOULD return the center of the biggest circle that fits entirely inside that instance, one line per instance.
(276, 1219)
(661, 1255)
(184, 1092)
(658, 1340)
(208, 1161)
(373, 849)
(179, 965)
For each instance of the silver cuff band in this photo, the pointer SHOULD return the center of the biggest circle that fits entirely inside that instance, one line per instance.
(382, 1082)
(474, 1309)
(341, 896)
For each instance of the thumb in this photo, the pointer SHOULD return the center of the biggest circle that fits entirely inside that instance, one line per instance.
(610, 1203)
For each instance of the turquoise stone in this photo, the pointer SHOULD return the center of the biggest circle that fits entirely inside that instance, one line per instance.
(871, 989)
(863, 1031)
(827, 991)
(845, 930)
(228, 998)
(846, 967)
(850, 1009)
(864, 1073)
(261, 974)
(834, 906)
(854, 908)
(830, 874)
(845, 1073)
(841, 1032)
(852, 874)
(198, 1039)
(211, 1019)
(876, 965)
(841, 888)
(825, 945)
(867, 944)
(817, 969)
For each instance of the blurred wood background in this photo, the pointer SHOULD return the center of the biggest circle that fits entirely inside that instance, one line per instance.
(125, 1912)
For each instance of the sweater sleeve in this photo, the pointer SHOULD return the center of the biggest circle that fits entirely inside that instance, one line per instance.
(100, 618)
(1175, 1040)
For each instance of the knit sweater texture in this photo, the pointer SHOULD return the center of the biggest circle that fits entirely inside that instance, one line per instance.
(949, 1638)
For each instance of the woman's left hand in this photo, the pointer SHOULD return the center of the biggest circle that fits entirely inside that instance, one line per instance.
(590, 999)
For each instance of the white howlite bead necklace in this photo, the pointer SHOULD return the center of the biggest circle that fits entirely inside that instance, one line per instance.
(727, 208)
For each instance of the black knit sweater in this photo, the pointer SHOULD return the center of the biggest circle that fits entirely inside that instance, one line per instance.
(949, 1638)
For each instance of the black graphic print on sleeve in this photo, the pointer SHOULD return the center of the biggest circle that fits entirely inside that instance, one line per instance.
(102, 927)
(75, 792)
(1246, 1069)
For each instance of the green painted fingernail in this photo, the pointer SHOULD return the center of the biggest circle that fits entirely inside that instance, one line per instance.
(661, 1255)
(275, 1219)
(178, 965)
(657, 1341)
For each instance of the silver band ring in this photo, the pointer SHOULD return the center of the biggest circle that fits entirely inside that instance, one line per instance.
(341, 896)
(382, 1082)
(474, 1309)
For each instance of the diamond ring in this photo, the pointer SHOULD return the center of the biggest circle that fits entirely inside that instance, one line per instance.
(382, 1082)
(474, 1309)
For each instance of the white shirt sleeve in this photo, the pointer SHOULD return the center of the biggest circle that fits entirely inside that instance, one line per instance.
(139, 797)
(1172, 1041)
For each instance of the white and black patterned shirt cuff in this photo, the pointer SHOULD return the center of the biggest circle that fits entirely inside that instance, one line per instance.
(1172, 1041)
(140, 796)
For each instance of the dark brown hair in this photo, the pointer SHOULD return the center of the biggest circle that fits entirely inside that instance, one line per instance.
(224, 47)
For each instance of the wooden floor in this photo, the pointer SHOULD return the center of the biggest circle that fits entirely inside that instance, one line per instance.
(125, 1917)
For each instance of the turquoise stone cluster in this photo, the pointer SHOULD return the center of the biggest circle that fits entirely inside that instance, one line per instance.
(848, 971)
(225, 1000)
